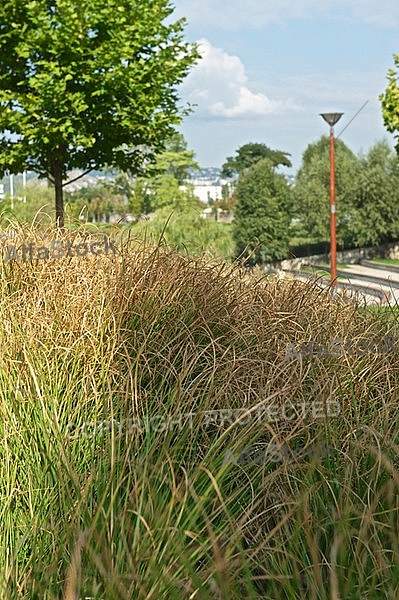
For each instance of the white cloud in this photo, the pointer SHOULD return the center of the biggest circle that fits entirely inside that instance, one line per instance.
(385, 14)
(247, 103)
(233, 14)
(219, 85)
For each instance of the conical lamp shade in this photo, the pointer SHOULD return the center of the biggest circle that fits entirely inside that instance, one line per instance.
(331, 118)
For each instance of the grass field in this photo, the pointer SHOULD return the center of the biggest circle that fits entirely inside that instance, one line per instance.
(320, 272)
(387, 261)
(99, 502)
(339, 265)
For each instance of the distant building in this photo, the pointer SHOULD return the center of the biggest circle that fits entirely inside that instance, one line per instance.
(206, 191)
(208, 184)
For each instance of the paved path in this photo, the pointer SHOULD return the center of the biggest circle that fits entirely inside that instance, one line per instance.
(384, 282)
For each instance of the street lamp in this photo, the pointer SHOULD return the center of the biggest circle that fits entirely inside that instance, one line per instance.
(332, 119)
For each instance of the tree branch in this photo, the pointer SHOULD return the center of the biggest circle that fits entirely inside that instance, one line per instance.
(42, 172)
(79, 176)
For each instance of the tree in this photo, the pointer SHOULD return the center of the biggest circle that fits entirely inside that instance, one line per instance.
(312, 191)
(377, 197)
(166, 191)
(100, 201)
(250, 154)
(88, 84)
(390, 102)
(176, 159)
(140, 200)
(262, 216)
(163, 183)
(228, 200)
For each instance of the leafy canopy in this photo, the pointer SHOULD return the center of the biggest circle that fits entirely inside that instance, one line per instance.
(367, 194)
(88, 84)
(249, 154)
(312, 190)
(164, 183)
(377, 198)
(263, 214)
(176, 159)
(390, 102)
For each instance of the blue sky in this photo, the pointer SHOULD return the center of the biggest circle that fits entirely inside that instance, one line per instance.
(269, 68)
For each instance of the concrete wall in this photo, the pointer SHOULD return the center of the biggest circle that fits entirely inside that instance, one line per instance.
(347, 257)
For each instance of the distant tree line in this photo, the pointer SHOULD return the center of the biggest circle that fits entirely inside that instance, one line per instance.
(162, 184)
(271, 215)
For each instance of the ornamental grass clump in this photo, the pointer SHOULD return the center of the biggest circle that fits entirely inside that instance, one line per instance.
(131, 512)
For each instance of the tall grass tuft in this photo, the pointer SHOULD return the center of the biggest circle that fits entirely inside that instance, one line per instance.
(98, 502)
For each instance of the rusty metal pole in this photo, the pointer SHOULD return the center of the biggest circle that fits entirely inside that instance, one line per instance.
(332, 119)
(333, 222)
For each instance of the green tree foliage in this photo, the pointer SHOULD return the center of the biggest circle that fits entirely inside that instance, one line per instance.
(98, 202)
(122, 186)
(262, 217)
(166, 191)
(377, 217)
(38, 208)
(176, 159)
(312, 191)
(228, 201)
(188, 232)
(367, 194)
(162, 186)
(164, 183)
(249, 154)
(390, 102)
(140, 201)
(87, 84)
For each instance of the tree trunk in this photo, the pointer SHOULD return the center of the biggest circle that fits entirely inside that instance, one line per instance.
(59, 194)
(56, 166)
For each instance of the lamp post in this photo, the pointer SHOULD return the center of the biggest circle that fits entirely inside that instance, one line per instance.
(24, 182)
(12, 190)
(332, 119)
